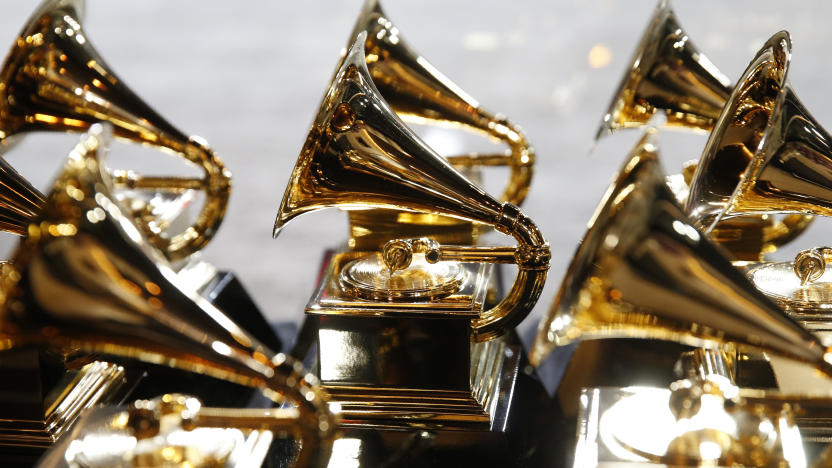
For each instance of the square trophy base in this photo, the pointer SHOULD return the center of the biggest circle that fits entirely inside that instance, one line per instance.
(42, 396)
(410, 363)
(512, 422)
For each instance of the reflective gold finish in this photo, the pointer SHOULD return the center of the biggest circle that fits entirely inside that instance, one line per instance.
(766, 153)
(419, 93)
(86, 279)
(54, 80)
(810, 264)
(667, 74)
(699, 422)
(88, 386)
(20, 201)
(369, 278)
(369, 230)
(643, 271)
(810, 303)
(173, 431)
(465, 299)
(360, 155)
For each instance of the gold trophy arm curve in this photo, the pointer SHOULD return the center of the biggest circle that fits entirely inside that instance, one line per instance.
(54, 80)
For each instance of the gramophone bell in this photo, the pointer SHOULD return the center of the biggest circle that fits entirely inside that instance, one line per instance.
(643, 271)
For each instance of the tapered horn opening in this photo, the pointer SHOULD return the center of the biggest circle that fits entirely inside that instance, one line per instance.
(668, 74)
(359, 154)
(732, 153)
(643, 271)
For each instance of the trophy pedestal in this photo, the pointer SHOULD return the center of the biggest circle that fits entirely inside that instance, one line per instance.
(42, 397)
(423, 373)
(400, 427)
(414, 390)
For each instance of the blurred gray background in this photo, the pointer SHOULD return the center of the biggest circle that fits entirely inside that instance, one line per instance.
(249, 76)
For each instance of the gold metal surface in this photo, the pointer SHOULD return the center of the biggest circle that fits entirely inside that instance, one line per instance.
(54, 80)
(86, 279)
(370, 278)
(331, 299)
(766, 154)
(431, 403)
(419, 93)
(93, 384)
(667, 74)
(173, 430)
(20, 201)
(358, 154)
(643, 271)
(370, 229)
(706, 422)
(810, 264)
(810, 303)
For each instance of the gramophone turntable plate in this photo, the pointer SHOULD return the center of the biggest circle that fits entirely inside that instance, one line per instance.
(333, 297)
(810, 304)
(369, 278)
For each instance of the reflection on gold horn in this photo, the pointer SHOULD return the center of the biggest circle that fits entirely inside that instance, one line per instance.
(20, 201)
(53, 79)
(86, 279)
(358, 154)
(766, 154)
(643, 271)
(667, 74)
(419, 93)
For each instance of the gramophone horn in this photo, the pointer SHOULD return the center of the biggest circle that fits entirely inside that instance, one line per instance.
(643, 271)
(667, 74)
(419, 93)
(20, 201)
(86, 279)
(54, 80)
(359, 154)
(767, 154)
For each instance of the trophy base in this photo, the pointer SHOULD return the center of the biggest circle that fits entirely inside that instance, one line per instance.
(482, 406)
(413, 429)
(42, 399)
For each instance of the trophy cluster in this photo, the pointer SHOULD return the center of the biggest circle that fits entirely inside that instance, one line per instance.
(121, 346)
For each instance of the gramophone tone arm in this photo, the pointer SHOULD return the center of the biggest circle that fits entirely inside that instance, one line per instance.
(531, 256)
(398, 253)
(810, 264)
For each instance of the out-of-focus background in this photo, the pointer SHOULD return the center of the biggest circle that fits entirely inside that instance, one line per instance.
(249, 76)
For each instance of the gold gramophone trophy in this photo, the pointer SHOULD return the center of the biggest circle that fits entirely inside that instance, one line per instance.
(668, 74)
(54, 80)
(87, 280)
(403, 340)
(644, 271)
(767, 154)
(420, 94)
